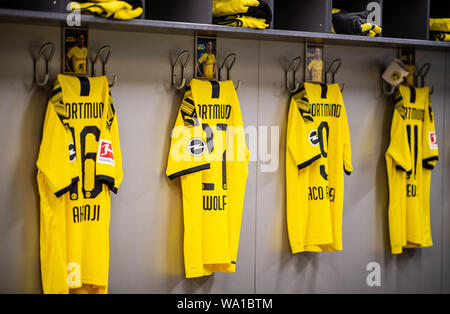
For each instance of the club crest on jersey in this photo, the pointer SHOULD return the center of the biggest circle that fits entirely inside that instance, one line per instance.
(105, 153)
(196, 147)
(433, 140)
(313, 138)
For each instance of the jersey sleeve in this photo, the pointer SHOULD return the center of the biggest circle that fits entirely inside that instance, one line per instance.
(398, 149)
(109, 156)
(57, 154)
(188, 149)
(430, 151)
(302, 138)
(348, 167)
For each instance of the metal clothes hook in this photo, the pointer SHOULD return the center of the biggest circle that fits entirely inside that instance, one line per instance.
(104, 60)
(333, 72)
(294, 70)
(229, 67)
(420, 78)
(183, 68)
(47, 58)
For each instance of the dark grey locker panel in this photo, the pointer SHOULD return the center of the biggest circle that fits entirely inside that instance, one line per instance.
(191, 11)
(303, 15)
(406, 19)
(41, 5)
(439, 9)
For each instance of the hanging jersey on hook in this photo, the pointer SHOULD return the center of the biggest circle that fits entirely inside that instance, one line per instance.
(209, 153)
(318, 152)
(412, 154)
(79, 164)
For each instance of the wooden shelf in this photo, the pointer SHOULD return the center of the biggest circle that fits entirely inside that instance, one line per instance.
(178, 28)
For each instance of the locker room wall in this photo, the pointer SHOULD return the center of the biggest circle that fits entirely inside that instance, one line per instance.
(146, 231)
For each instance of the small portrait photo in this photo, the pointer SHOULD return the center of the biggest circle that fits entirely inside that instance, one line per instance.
(408, 57)
(205, 57)
(314, 64)
(75, 50)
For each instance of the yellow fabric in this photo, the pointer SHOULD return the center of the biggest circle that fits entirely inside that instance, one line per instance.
(441, 36)
(412, 153)
(209, 67)
(316, 69)
(119, 10)
(209, 126)
(318, 149)
(75, 175)
(440, 25)
(232, 7)
(78, 57)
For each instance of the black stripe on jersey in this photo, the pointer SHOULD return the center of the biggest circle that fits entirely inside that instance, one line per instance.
(109, 181)
(215, 89)
(408, 173)
(224, 170)
(309, 162)
(416, 149)
(413, 94)
(67, 188)
(426, 163)
(347, 172)
(56, 91)
(85, 86)
(208, 186)
(324, 90)
(233, 262)
(188, 171)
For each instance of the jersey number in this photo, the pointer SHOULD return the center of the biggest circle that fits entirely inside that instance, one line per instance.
(210, 143)
(415, 151)
(323, 145)
(88, 163)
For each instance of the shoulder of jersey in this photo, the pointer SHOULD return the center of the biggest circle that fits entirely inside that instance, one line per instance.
(399, 106)
(301, 101)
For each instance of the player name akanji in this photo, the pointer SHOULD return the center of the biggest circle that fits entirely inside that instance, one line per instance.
(214, 111)
(84, 110)
(86, 213)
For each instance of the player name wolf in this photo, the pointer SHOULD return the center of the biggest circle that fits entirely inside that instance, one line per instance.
(216, 202)
(84, 110)
(86, 213)
(214, 111)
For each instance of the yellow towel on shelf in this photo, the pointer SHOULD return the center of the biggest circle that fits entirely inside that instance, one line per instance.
(119, 10)
(232, 7)
(440, 25)
(242, 21)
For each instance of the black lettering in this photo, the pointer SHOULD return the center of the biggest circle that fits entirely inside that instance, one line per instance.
(76, 217)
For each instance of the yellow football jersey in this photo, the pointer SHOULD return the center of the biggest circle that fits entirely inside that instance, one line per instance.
(79, 59)
(412, 154)
(318, 152)
(79, 164)
(208, 151)
(209, 61)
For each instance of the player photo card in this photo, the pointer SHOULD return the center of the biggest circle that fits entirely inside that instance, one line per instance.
(408, 56)
(205, 57)
(75, 50)
(314, 63)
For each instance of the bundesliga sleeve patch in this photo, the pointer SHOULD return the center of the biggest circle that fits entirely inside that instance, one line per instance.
(105, 153)
(433, 140)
